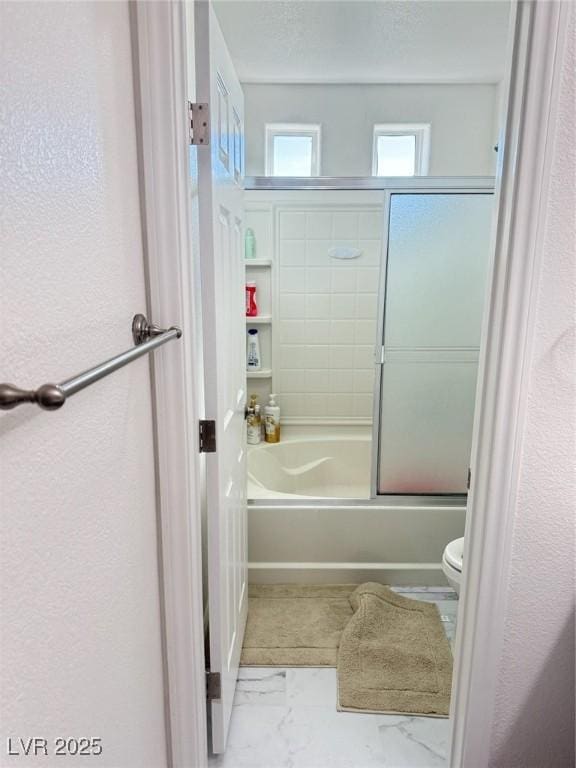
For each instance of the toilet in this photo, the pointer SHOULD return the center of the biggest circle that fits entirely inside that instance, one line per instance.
(452, 563)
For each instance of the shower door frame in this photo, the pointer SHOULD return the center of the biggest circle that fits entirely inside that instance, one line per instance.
(470, 185)
(389, 185)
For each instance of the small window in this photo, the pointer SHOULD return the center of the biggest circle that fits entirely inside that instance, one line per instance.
(292, 150)
(401, 150)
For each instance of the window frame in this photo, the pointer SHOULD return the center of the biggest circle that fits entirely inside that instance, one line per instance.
(421, 132)
(308, 130)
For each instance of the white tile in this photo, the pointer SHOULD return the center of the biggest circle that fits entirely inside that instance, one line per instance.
(318, 306)
(343, 280)
(293, 280)
(342, 306)
(292, 225)
(317, 356)
(292, 404)
(371, 252)
(341, 332)
(260, 686)
(366, 305)
(416, 742)
(293, 252)
(317, 331)
(293, 331)
(318, 280)
(313, 405)
(291, 380)
(362, 406)
(345, 226)
(293, 356)
(342, 357)
(338, 405)
(341, 381)
(364, 356)
(317, 381)
(319, 225)
(292, 306)
(367, 280)
(312, 687)
(365, 331)
(364, 381)
(371, 225)
(317, 253)
(255, 740)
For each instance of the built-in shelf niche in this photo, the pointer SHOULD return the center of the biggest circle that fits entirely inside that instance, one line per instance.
(260, 271)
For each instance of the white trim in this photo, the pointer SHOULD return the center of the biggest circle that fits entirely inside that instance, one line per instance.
(314, 131)
(160, 78)
(399, 574)
(488, 80)
(421, 133)
(524, 164)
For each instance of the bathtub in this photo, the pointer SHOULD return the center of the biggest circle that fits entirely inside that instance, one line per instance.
(305, 467)
(311, 521)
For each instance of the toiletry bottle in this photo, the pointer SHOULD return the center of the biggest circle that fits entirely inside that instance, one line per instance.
(253, 422)
(249, 244)
(258, 421)
(272, 421)
(251, 306)
(253, 362)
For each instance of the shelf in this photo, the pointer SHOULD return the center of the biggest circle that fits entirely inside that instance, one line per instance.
(264, 373)
(258, 320)
(258, 262)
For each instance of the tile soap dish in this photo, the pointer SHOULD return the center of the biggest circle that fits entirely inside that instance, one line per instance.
(344, 252)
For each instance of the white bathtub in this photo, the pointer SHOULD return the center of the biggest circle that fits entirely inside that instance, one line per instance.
(310, 518)
(311, 467)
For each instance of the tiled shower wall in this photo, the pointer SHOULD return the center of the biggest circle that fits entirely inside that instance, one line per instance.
(325, 309)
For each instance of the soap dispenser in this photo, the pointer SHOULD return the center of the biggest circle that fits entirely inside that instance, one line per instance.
(272, 421)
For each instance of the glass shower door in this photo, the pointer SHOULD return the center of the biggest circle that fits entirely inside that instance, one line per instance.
(438, 253)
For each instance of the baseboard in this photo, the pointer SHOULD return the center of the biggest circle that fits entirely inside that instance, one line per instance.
(395, 574)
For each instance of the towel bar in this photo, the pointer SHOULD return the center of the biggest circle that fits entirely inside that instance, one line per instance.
(147, 337)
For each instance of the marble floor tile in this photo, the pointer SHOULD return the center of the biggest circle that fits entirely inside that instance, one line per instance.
(261, 686)
(311, 687)
(287, 718)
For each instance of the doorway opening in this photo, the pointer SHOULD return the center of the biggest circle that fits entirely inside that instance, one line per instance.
(364, 293)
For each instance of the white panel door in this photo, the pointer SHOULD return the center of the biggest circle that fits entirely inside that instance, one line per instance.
(221, 208)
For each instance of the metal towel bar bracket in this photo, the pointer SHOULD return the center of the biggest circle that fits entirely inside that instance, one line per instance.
(147, 337)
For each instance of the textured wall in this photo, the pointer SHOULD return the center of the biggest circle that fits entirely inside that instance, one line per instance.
(80, 634)
(535, 716)
(462, 119)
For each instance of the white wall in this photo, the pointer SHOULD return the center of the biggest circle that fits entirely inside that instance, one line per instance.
(462, 119)
(535, 714)
(81, 636)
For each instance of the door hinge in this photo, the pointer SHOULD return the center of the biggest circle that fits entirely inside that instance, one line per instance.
(213, 686)
(199, 124)
(468, 482)
(207, 432)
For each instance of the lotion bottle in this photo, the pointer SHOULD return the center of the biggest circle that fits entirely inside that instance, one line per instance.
(272, 421)
(253, 361)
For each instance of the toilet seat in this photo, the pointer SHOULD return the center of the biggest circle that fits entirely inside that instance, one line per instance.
(454, 553)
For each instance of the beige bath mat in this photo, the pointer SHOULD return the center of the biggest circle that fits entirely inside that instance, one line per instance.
(295, 625)
(393, 656)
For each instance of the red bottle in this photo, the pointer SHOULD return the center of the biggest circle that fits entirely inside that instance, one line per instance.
(251, 306)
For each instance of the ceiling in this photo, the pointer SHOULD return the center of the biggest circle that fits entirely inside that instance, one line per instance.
(360, 41)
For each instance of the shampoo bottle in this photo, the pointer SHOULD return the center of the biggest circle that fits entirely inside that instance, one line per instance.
(272, 421)
(253, 362)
